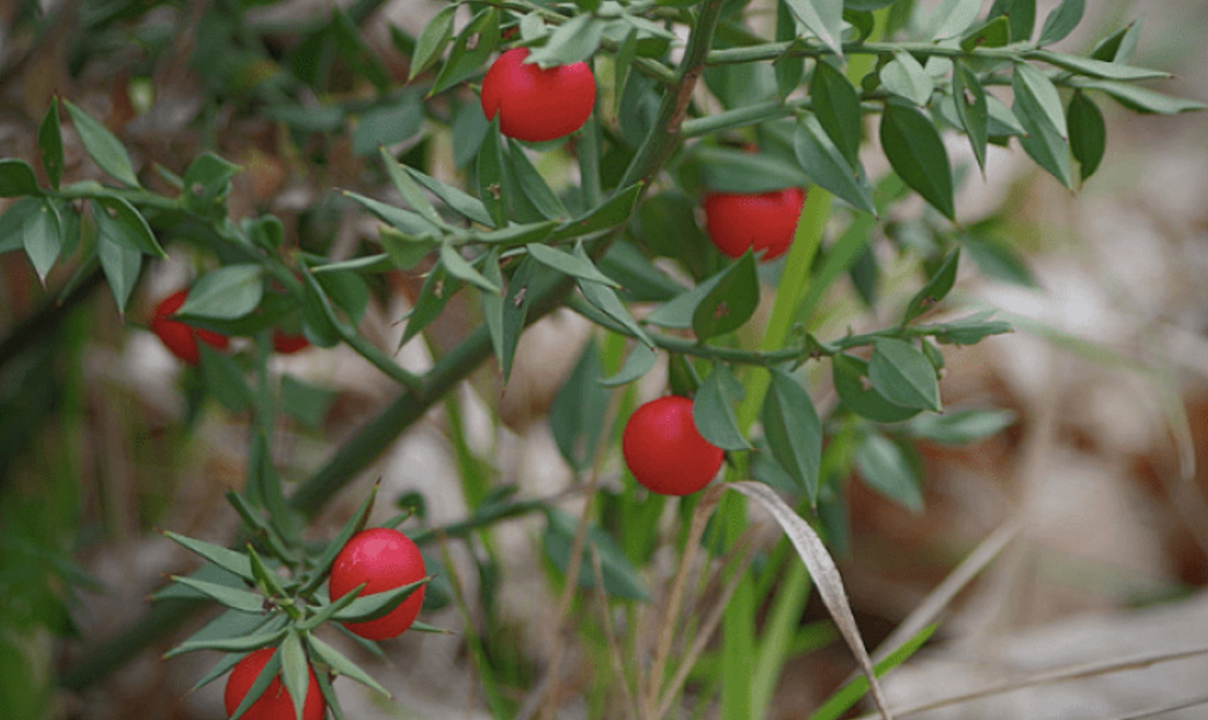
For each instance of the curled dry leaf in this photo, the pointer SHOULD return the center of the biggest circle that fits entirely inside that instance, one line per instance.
(826, 577)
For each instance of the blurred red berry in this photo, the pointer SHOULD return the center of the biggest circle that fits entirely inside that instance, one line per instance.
(179, 338)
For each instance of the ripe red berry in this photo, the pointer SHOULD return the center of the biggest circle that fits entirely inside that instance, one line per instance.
(179, 338)
(287, 344)
(763, 221)
(383, 559)
(535, 104)
(275, 703)
(664, 450)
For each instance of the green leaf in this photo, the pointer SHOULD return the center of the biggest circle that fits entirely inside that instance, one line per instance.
(1062, 21)
(466, 205)
(677, 313)
(640, 360)
(227, 559)
(234, 632)
(1037, 95)
(233, 598)
(622, 63)
(534, 186)
(613, 212)
(1001, 122)
(405, 221)
(50, 143)
(432, 41)
(409, 189)
(972, 110)
(836, 104)
(736, 171)
(208, 176)
(857, 393)
(342, 665)
(621, 578)
(995, 32)
(847, 696)
(1088, 133)
(903, 375)
(492, 186)
(961, 427)
(1020, 13)
(405, 251)
(1120, 45)
(788, 68)
(387, 124)
(464, 61)
(515, 310)
(1043, 142)
(224, 379)
(377, 605)
(120, 222)
(121, 265)
(460, 268)
(713, 409)
(904, 76)
(936, 289)
(605, 299)
(825, 166)
(226, 293)
(952, 18)
(515, 235)
(577, 414)
(42, 236)
(306, 403)
(642, 281)
(915, 151)
(793, 431)
(730, 302)
(997, 259)
(579, 266)
(971, 330)
(101, 145)
(1142, 99)
(355, 524)
(886, 468)
(824, 18)
(1098, 68)
(267, 674)
(434, 294)
(12, 223)
(492, 309)
(17, 178)
(295, 672)
(573, 41)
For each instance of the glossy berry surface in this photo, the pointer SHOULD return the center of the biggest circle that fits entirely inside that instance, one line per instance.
(179, 338)
(275, 703)
(763, 221)
(535, 104)
(383, 559)
(664, 450)
(287, 344)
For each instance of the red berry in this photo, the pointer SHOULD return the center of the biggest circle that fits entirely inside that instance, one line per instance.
(664, 450)
(288, 344)
(275, 703)
(763, 221)
(178, 337)
(536, 104)
(383, 559)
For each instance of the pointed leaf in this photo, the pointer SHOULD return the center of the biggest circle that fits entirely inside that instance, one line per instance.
(577, 414)
(916, 152)
(121, 266)
(268, 673)
(434, 294)
(904, 76)
(605, 299)
(295, 672)
(226, 293)
(105, 149)
(579, 266)
(241, 643)
(857, 393)
(1020, 13)
(409, 189)
(1098, 68)
(971, 108)
(731, 301)
(432, 41)
(405, 221)
(824, 18)
(1120, 45)
(118, 220)
(460, 268)
(995, 32)
(534, 186)
(936, 288)
(713, 410)
(515, 310)
(903, 375)
(887, 469)
(1038, 96)
(640, 360)
(836, 104)
(17, 178)
(793, 431)
(492, 185)
(1044, 143)
(470, 51)
(1143, 99)
(234, 598)
(1061, 21)
(962, 427)
(377, 605)
(342, 665)
(50, 143)
(573, 41)
(1088, 133)
(42, 236)
(613, 212)
(826, 167)
(229, 560)
(952, 18)
(621, 578)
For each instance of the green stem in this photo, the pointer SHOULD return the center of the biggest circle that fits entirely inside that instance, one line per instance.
(775, 50)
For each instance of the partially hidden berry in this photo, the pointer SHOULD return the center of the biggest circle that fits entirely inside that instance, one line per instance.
(382, 559)
(535, 104)
(288, 343)
(664, 450)
(761, 221)
(179, 338)
(275, 703)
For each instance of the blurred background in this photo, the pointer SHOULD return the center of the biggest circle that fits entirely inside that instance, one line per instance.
(1085, 521)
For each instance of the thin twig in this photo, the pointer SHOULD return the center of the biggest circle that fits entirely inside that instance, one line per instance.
(610, 635)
